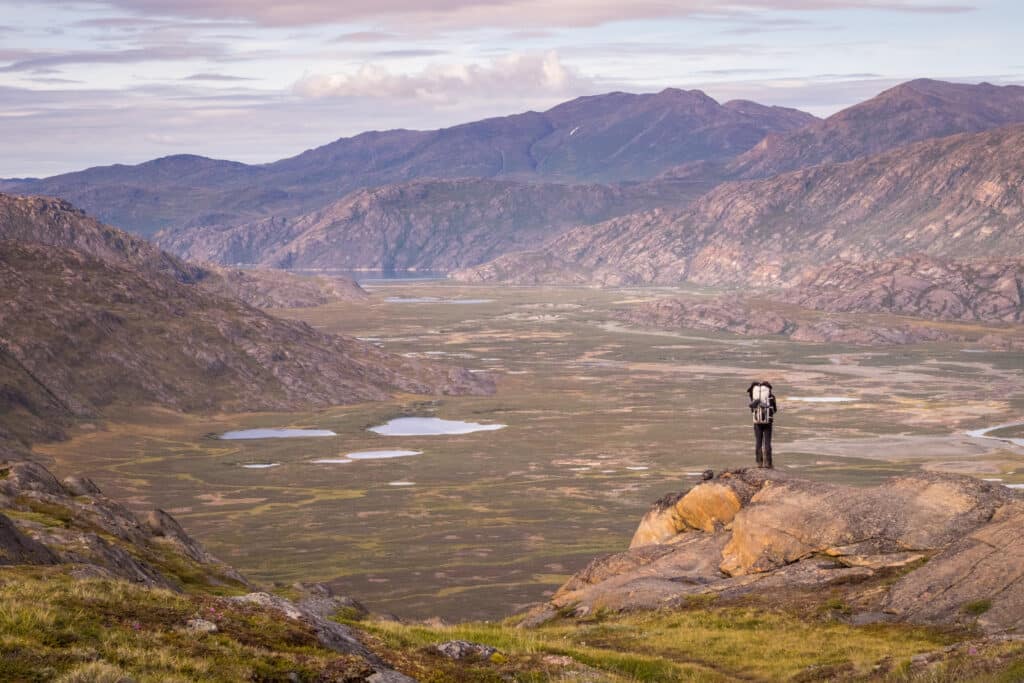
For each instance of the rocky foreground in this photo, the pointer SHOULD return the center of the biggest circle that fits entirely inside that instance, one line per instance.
(928, 549)
(73, 527)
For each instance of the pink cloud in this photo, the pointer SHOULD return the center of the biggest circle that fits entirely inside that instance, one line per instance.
(492, 13)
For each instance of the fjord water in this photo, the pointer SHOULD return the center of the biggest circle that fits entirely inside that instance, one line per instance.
(601, 420)
(431, 426)
(265, 433)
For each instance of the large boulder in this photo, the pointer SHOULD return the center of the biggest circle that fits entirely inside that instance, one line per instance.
(765, 532)
(791, 520)
(980, 576)
(17, 548)
(706, 507)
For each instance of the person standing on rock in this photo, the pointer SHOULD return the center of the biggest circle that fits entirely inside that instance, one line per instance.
(763, 408)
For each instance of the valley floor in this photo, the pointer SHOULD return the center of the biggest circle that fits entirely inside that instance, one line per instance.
(600, 420)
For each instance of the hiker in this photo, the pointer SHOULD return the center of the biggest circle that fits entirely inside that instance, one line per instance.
(763, 408)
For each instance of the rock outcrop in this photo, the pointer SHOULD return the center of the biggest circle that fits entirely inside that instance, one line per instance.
(788, 521)
(45, 521)
(980, 576)
(916, 285)
(840, 318)
(955, 542)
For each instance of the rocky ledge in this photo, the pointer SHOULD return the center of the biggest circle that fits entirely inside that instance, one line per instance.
(46, 521)
(930, 548)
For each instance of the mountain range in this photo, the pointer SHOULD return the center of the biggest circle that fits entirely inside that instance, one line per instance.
(623, 189)
(606, 138)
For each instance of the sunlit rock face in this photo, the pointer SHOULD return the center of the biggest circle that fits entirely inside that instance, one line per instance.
(767, 533)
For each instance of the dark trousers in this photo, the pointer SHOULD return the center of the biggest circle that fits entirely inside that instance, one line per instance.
(763, 445)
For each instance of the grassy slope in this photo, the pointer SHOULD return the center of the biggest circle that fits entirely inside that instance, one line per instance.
(705, 643)
(55, 627)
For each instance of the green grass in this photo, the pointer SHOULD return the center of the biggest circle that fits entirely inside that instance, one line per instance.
(977, 607)
(53, 626)
(709, 644)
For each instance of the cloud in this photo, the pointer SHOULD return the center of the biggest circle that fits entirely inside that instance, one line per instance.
(46, 61)
(511, 75)
(409, 53)
(365, 37)
(490, 13)
(215, 77)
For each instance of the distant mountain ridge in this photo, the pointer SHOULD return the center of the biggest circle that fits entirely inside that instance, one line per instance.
(604, 138)
(910, 112)
(438, 225)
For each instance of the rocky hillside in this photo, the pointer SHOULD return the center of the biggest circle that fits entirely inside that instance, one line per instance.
(605, 138)
(901, 289)
(427, 224)
(954, 198)
(937, 549)
(80, 332)
(268, 288)
(57, 223)
(983, 291)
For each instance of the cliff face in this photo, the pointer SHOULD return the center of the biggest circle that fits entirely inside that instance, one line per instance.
(922, 549)
(953, 198)
(78, 333)
(425, 225)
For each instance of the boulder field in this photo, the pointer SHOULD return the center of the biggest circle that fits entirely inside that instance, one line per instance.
(929, 548)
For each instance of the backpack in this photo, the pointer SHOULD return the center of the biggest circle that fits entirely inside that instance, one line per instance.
(761, 396)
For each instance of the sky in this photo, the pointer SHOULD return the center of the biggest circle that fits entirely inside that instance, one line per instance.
(98, 82)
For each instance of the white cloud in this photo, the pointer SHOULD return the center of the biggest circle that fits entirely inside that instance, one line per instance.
(529, 74)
